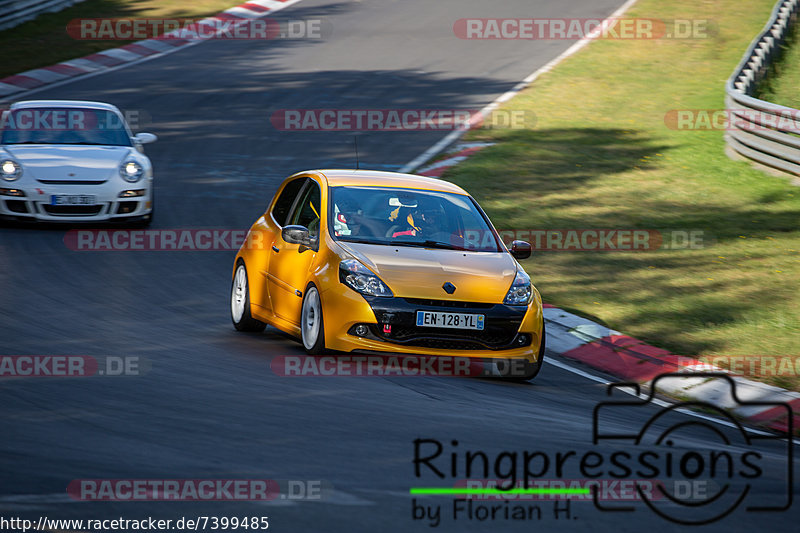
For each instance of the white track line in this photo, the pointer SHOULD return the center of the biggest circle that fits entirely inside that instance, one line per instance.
(456, 134)
(274, 7)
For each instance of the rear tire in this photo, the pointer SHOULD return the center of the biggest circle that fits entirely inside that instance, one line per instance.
(312, 324)
(240, 302)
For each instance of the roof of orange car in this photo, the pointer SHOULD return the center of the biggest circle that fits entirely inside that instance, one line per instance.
(376, 178)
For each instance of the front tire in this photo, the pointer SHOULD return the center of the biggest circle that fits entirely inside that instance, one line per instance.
(240, 302)
(518, 370)
(532, 369)
(312, 327)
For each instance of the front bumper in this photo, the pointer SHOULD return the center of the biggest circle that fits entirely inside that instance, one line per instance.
(510, 332)
(36, 203)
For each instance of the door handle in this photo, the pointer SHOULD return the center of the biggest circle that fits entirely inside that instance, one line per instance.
(275, 249)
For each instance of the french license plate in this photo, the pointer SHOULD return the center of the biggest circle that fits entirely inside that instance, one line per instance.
(73, 199)
(437, 319)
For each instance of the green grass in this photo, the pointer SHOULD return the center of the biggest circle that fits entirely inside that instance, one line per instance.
(601, 156)
(44, 40)
(782, 85)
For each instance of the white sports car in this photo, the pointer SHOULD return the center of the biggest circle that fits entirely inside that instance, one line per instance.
(68, 160)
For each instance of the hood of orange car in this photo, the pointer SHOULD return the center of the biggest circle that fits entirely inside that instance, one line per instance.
(411, 272)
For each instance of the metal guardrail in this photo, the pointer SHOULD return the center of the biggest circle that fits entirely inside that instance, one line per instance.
(13, 12)
(761, 131)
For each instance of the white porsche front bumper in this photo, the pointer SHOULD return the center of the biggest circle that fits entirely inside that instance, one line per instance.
(113, 200)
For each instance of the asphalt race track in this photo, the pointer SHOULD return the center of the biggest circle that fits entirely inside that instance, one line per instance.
(209, 406)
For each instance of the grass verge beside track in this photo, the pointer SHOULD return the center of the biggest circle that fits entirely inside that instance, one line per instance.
(44, 40)
(601, 156)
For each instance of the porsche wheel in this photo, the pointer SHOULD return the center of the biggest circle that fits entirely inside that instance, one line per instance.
(312, 328)
(240, 303)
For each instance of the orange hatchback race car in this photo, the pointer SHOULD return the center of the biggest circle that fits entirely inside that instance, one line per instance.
(357, 260)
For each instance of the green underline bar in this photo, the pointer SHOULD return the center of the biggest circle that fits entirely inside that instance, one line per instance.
(491, 492)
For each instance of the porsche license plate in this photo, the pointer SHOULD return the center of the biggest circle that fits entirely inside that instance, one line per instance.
(437, 319)
(72, 199)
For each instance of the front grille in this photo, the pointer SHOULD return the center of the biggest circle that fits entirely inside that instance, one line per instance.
(447, 344)
(488, 338)
(17, 206)
(448, 303)
(72, 210)
(501, 324)
(71, 182)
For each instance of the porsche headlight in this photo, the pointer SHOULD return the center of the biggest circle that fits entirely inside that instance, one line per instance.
(521, 291)
(10, 170)
(131, 171)
(361, 279)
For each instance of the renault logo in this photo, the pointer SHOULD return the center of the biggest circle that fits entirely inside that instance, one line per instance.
(449, 288)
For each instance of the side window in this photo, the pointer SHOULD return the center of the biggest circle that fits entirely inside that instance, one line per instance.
(307, 211)
(280, 211)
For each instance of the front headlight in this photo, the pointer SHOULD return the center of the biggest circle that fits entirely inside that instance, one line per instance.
(10, 170)
(520, 291)
(131, 171)
(361, 279)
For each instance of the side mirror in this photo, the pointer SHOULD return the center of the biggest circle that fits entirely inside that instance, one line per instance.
(144, 138)
(296, 235)
(520, 249)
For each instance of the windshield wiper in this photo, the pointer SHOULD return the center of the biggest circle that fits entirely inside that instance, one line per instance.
(429, 244)
(362, 241)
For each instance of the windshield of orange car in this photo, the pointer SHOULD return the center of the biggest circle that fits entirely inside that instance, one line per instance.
(410, 217)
